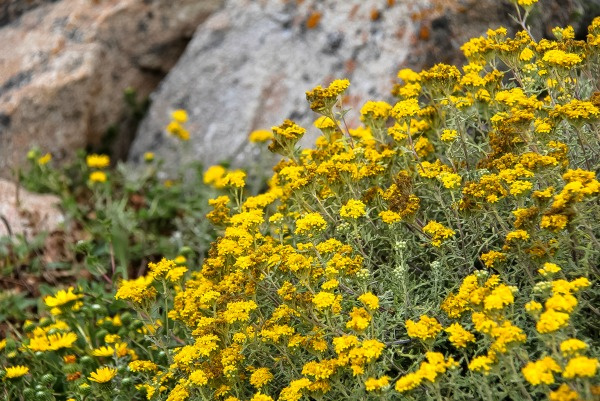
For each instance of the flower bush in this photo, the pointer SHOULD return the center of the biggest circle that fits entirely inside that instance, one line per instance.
(447, 248)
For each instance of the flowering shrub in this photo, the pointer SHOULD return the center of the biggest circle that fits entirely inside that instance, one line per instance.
(448, 248)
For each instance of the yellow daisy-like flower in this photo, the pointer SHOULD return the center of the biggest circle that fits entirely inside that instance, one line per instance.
(98, 176)
(97, 161)
(103, 375)
(148, 157)
(13, 372)
(103, 351)
(180, 116)
(61, 298)
(45, 159)
(259, 136)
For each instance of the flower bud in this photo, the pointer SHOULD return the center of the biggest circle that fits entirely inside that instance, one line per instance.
(87, 360)
(47, 379)
(98, 308)
(85, 389)
(28, 326)
(126, 318)
(43, 396)
(101, 334)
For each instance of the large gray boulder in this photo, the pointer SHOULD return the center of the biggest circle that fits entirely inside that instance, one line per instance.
(64, 66)
(250, 63)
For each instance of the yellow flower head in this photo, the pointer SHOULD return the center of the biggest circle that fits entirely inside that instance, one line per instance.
(103, 375)
(369, 300)
(353, 209)
(426, 328)
(572, 346)
(235, 179)
(261, 377)
(438, 232)
(581, 366)
(180, 116)
(13, 372)
(98, 176)
(44, 159)
(97, 161)
(541, 372)
(62, 298)
(310, 222)
(261, 135)
(103, 351)
(137, 290)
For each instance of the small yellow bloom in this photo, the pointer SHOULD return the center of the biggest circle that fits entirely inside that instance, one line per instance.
(572, 346)
(449, 135)
(426, 328)
(62, 298)
(581, 366)
(13, 372)
(97, 161)
(389, 217)
(526, 54)
(103, 351)
(98, 176)
(369, 300)
(180, 116)
(44, 159)
(259, 136)
(353, 209)
(373, 384)
(235, 179)
(103, 375)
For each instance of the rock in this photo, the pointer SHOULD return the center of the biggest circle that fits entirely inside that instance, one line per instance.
(250, 63)
(26, 213)
(64, 66)
(13, 9)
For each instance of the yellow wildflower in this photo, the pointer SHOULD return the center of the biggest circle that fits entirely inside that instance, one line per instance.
(103, 375)
(98, 176)
(13, 372)
(581, 366)
(426, 328)
(353, 209)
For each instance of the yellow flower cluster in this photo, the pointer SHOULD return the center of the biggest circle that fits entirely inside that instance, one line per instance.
(321, 99)
(98, 162)
(176, 127)
(428, 371)
(316, 270)
(438, 232)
